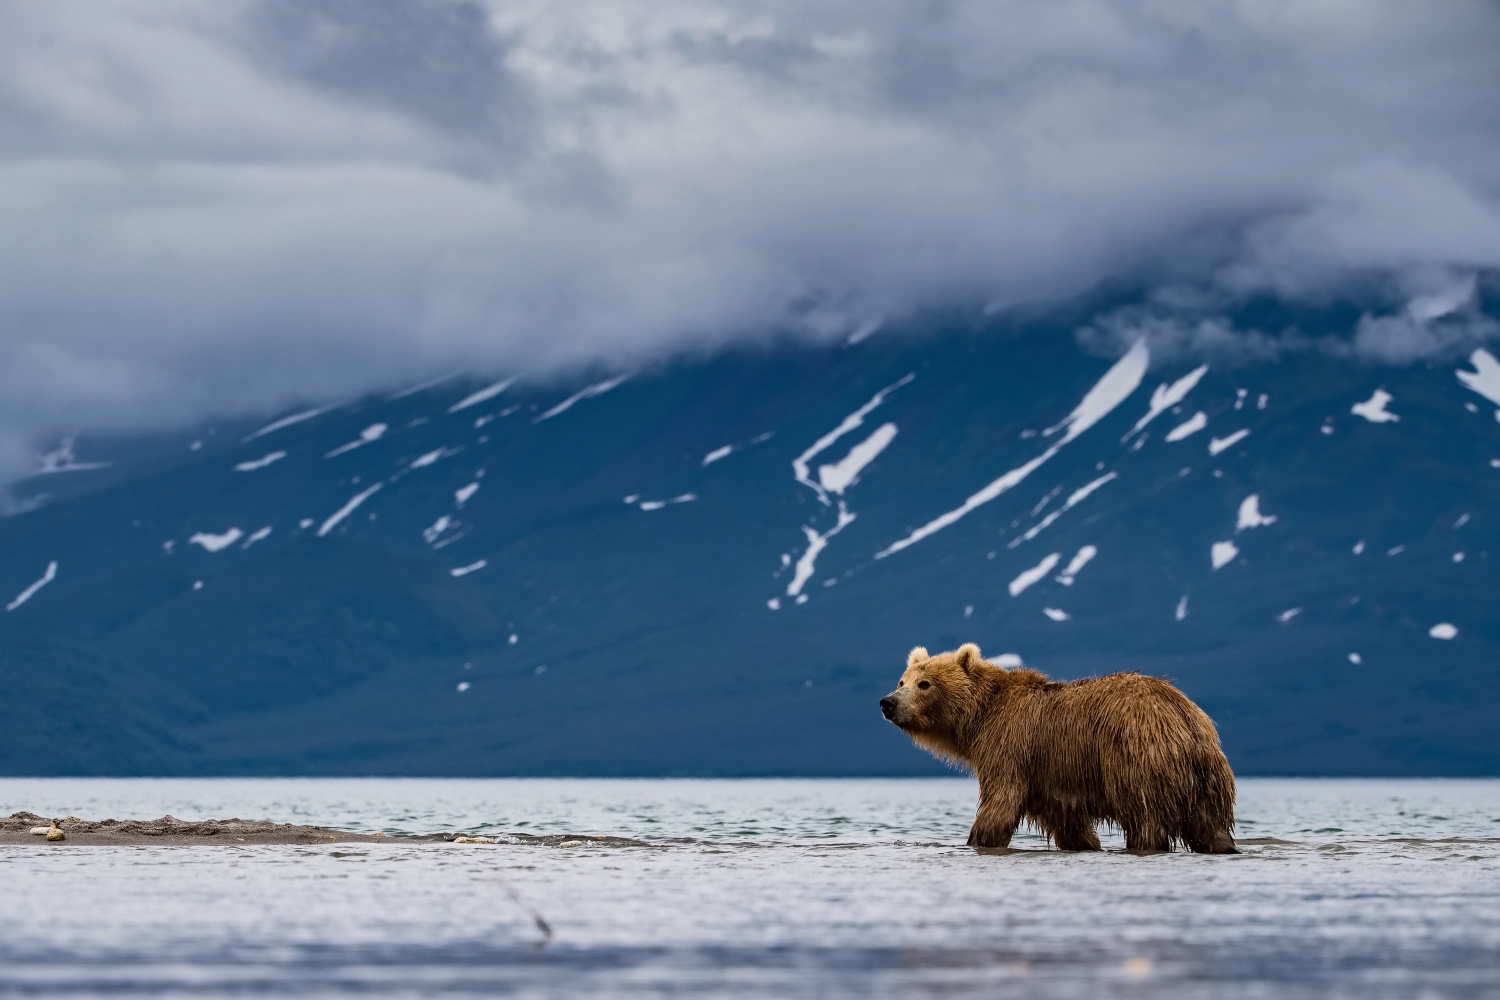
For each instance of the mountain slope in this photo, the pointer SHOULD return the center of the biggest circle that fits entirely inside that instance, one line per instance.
(716, 567)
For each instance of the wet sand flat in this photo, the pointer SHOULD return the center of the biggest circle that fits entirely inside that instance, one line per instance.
(660, 889)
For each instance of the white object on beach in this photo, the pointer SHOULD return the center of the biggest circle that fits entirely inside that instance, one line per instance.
(473, 840)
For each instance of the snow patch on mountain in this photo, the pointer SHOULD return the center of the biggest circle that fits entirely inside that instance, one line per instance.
(484, 395)
(431, 534)
(1056, 614)
(587, 392)
(30, 592)
(422, 461)
(1074, 499)
(1250, 515)
(1117, 384)
(466, 570)
(1485, 378)
(1222, 553)
(1373, 409)
(295, 418)
(464, 494)
(800, 470)
(216, 543)
(1220, 444)
(717, 454)
(1035, 573)
(260, 463)
(863, 331)
(1192, 425)
(1082, 559)
(257, 536)
(816, 543)
(659, 504)
(837, 478)
(62, 459)
(422, 386)
(1164, 397)
(346, 510)
(840, 476)
(374, 432)
(1045, 500)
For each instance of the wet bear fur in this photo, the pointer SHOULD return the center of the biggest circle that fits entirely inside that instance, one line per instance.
(1125, 749)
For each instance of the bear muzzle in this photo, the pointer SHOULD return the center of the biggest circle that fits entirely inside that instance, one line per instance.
(888, 706)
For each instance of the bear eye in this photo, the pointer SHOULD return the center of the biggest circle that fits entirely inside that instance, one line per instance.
(901, 684)
(924, 685)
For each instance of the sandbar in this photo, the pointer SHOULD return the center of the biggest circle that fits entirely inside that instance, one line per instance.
(170, 831)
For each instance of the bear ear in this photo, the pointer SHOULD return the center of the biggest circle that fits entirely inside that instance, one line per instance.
(969, 656)
(917, 655)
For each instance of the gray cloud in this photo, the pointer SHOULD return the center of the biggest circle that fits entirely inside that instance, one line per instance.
(441, 63)
(220, 207)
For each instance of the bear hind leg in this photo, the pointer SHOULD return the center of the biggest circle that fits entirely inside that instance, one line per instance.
(1075, 835)
(1147, 838)
(1208, 840)
(1209, 833)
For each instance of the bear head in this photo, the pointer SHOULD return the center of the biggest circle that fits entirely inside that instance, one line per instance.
(937, 696)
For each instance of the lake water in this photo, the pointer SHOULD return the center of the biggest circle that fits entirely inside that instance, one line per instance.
(748, 888)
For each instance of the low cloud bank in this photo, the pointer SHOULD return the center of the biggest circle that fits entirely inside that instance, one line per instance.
(211, 207)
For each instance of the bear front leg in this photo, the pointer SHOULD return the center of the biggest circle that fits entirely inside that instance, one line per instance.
(999, 814)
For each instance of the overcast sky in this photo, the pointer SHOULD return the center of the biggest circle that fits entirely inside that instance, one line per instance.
(229, 205)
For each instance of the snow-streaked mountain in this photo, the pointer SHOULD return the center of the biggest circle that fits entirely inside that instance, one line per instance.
(717, 567)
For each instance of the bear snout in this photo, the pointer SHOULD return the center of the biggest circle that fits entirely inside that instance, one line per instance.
(888, 706)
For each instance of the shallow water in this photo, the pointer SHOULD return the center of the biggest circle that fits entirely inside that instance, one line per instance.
(749, 888)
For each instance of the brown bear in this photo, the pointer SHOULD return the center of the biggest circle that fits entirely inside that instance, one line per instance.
(1126, 749)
